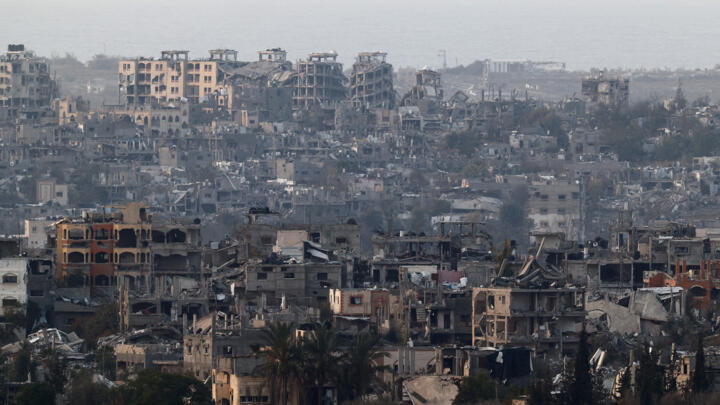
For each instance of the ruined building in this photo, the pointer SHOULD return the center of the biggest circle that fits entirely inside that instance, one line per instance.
(371, 82)
(606, 90)
(534, 308)
(172, 77)
(25, 84)
(260, 91)
(426, 93)
(97, 249)
(175, 284)
(320, 81)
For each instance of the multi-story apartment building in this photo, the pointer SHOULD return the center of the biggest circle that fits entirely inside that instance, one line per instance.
(100, 247)
(547, 319)
(172, 77)
(169, 119)
(371, 82)
(320, 81)
(25, 84)
(555, 206)
(13, 284)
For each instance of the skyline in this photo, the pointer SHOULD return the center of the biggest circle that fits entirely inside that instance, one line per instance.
(611, 34)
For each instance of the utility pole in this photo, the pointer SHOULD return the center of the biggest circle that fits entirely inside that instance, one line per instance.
(443, 54)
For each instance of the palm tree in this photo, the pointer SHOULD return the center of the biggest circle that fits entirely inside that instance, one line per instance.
(360, 368)
(281, 355)
(319, 361)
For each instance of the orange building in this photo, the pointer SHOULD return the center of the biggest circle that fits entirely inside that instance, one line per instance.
(701, 284)
(94, 250)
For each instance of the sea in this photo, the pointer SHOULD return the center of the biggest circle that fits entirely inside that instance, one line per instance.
(650, 34)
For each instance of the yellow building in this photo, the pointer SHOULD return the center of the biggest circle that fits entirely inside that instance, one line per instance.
(172, 77)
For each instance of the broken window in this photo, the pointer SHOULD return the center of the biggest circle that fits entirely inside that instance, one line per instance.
(491, 301)
(176, 236)
(9, 278)
(289, 275)
(76, 234)
(10, 303)
(355, 300)
(262, 276)
(127, 238)
(101, 234)
(158, 237)
(76, 258)
(322, 276)
(102, 280)
(392, 275)
(101, 257)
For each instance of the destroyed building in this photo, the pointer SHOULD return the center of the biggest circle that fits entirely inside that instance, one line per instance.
(209, 341)
(308, 281)
(371, 81)
(175, 284)
(426, 92)
(320, 81)
(610, 91)
(14, 285)
(391, 252)
(260, 91)
(535, 308)
(26, 89)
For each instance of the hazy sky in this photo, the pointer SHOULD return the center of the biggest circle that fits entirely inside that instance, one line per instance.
(583, 33)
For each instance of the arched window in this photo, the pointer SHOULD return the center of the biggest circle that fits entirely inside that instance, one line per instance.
(101, 257)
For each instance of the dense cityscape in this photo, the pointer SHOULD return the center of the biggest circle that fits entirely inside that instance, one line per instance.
(200, 229)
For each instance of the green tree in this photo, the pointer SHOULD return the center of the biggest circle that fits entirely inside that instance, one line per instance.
(105, 359)
(319, 362)
(105, 321)
(540, 392)
(55, 366)
(700, 381)
(22, 364)
(38, 393)
(471, 390)
(649, 377)
(582, 383)
(360, 369)
(281, 357)
(158, 388)
(83, 391)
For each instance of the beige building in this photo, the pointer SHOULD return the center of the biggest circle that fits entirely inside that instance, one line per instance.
(377, 305)
(49, 190)
(172, 77)
(166, 119)
(555, 206)
(547, 319)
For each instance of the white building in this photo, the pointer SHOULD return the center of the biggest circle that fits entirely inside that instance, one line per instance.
(36, 233)
(13, 284)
